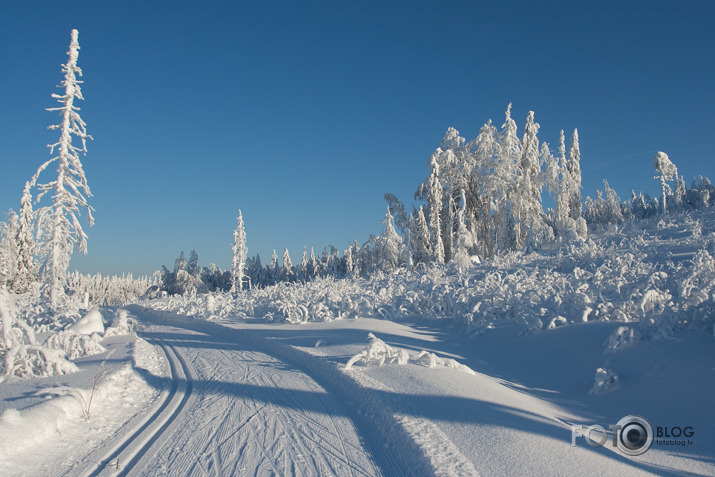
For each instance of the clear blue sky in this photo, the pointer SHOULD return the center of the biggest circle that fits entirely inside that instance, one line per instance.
(303, 114)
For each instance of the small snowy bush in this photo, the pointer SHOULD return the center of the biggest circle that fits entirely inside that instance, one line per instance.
(378, 353)
(605, 380)
(73, 344)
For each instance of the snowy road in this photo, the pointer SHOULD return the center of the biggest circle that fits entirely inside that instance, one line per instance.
(234, 410)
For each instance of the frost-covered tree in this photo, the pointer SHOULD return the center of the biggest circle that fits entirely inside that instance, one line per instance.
(192, 266)
(528, 203)
(26, 266)
(448, 233)
(273, 268)
(568, 218)
(406, 253)
(59, 223)
(680, 192)
(303, 268)
(287, 271)
(8, 250)
(240, 252)
(180, 263)
(666, 171)
(349, 262)
(434, 202)
(255, 271)
(603, 211)
(574, 167)
(397, 209)
(21, 353)
(312, 265)
(354, 253)
(463, 241)
(420, 239)
(389, 245)
(488, 191)
(511, 151)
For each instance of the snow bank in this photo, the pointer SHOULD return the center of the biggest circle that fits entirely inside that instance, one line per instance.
(55, 435)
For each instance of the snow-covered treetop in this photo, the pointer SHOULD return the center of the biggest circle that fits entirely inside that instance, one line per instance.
(664, 166)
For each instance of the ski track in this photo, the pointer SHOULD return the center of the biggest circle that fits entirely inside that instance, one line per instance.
(250, 413)
(126, 452)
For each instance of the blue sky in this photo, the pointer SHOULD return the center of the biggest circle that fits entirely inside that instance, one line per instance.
(303, 114)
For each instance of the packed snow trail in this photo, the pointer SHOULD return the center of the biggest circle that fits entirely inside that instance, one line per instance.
(127, 452)
(252, 412)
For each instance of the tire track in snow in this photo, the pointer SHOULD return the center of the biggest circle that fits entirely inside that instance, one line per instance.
(125, 454)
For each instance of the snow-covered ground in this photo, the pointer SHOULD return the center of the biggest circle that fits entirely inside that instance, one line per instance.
(406, 374)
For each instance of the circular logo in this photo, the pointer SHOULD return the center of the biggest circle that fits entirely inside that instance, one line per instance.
(634, 435)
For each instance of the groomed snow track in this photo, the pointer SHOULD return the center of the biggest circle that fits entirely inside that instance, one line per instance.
(391, 449)
(124, 455)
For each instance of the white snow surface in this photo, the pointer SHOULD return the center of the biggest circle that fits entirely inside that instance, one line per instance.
(431, 374)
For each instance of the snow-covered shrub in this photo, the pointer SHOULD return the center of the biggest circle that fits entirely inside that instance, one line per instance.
(121, 324)
(622, 337)
(74, 345)
(21, 355)
(658, 272)
(380, 353)
(431, 360)
(605, 380)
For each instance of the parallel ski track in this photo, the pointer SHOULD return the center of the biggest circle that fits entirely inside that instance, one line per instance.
(127, 452)
(391, 447)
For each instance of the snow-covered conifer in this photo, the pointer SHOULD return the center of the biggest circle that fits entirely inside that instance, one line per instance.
(240, 252)
(26, 266)
(511, 151)
(463, 241)
(180, 263)
(390, 245)
(680, 191)
(449, 228)
(303, 270)
(397, 209)
(312, 265)
(406, 254)
(349, 262)
(489, 189)
(354, 253)
(434, 198)
(192, 266)
(574, 167)
(666, 171)
(8, 250)
(60, 222)
(420, 239)
(529, 189)
(287, 272)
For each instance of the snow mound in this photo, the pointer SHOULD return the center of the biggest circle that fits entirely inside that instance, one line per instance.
(605, 381)
(380, 353)
(92, 322)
